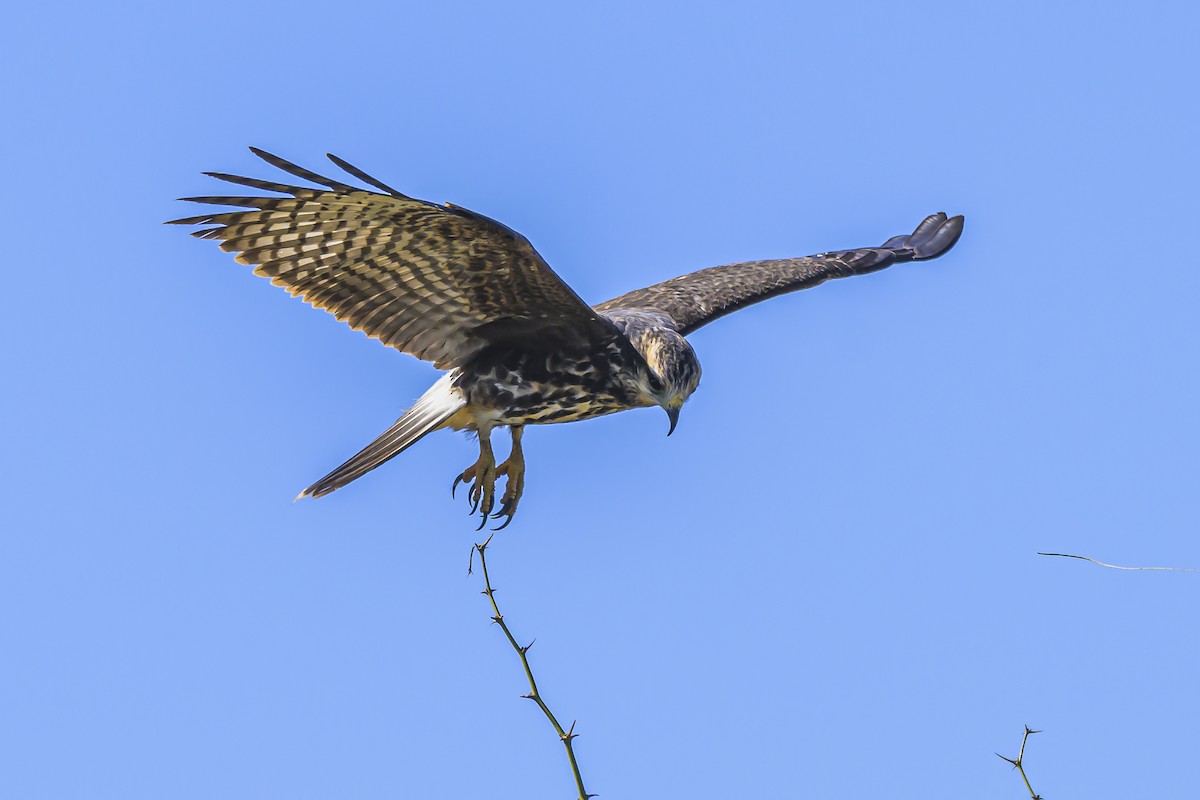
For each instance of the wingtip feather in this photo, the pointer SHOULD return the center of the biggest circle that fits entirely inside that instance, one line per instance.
(936, 234)
(350, 169)
(299, 171)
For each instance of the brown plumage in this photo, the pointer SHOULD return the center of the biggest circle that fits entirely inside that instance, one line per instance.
(436, 281)
(700, 297)
(461, 290)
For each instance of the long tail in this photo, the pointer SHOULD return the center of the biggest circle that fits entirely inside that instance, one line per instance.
(437, 405)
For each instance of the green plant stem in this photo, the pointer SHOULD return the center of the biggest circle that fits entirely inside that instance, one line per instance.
(567, 736)
(1019, 763)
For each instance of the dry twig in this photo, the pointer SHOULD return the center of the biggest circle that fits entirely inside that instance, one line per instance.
(1019, 762)
(567, 736)
(1114, 566)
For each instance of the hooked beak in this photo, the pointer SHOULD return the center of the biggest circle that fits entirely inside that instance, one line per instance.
(673, 415)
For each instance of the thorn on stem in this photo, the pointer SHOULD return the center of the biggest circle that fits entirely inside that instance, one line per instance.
(498, 619)
(1018, 762)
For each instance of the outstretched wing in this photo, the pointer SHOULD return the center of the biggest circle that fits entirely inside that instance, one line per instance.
(439, 282)
(700, 297)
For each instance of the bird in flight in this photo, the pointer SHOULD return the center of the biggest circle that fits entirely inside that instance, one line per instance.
(471, 295)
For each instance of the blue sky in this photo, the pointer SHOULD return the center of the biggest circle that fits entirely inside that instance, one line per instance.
(824, 584)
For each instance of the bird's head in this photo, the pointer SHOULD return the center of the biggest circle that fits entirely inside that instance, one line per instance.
(674, 370)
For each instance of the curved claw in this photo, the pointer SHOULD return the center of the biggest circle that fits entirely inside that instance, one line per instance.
(467, 476)
(485, 508)
(481, 478)
(508, 508)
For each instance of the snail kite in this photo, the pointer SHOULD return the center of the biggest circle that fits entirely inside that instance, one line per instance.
(471, 295)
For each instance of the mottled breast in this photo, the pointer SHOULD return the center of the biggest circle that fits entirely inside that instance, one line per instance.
(527, 387)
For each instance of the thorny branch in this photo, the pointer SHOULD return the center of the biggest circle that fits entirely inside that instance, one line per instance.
(567, 736)
(1019, 762)
(1114, 566)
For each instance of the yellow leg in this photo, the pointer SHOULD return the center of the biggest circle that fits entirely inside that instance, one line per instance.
(514, 470)
(481, 476)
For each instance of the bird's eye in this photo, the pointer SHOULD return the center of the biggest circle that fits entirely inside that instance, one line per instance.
(655, 383)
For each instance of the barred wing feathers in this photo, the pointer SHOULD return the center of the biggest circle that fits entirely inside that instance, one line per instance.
(437, 281)
(698, 298)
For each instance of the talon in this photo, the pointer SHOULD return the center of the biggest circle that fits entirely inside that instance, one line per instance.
(489, 502)
(515, 471)
(481, 477)
(508, 508)
(512, 496)
(467, 476)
